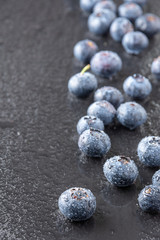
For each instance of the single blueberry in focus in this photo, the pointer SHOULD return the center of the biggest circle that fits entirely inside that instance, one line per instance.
(130, 10)
(77, 204)
(106, 63)
(88, 5)
(100, 21)
(82, 84)
(119, 28)
(149, 199)
(148, 23)
(94, 143)
(110, 94)
(155, 68)
(140, 2)
(88, 122)
(135, 42)
(120, 171)
(105, 4)
(103, 110)
(131, 115)
(156, 178)
(85, 50)
(137, 86)
(149, 151)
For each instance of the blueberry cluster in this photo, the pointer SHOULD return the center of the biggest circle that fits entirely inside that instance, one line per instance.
(133, 29)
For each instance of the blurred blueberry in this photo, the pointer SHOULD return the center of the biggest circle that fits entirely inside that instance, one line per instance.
(103, 110)
(149, 199)
(100, 21)
(137, 86)
(130, 10)
(148, 23)
(131, 115)
(155, 68)
(88, 5)
(88, 122)
(85, 50)
(135, 42)
(94, 143)
(156, 178)
(149, 151)
(120, 171)
(81, 85)
(119, 28)
(105, 4)
(110, 94)
(77, 204)
(106, 63)
(140, 2)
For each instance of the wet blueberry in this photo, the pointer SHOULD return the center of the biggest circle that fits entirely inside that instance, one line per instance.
(120, 171)
(135, 42)
(119, 28)
(105, 4)
(130, 10)
(148, 23)
(103, 110)
(110, 94)
(88, 122)
(140, 2)
(137, 86)
(94, 143)
(85, 50)
(131, 115)
(100, 21)
(106, 63)
(82, 84)
(155, 68)
(149, 199)
(77, 204)
(88, 5)
(149, 151)
(156, 178)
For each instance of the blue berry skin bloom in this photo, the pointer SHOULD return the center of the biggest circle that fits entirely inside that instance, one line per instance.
(103, 110)
(149, 199)
(77, 204)
(106, 64)
(88, 122)
(94, 143)
(137, 86)
(149, 151)
(130, 10)
(155, 68)
(156, 178)
(120, 171)
(131, 115)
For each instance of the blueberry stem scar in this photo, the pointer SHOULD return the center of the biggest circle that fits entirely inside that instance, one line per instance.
(86, 68)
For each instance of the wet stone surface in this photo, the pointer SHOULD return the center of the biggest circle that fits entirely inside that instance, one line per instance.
(39, 155)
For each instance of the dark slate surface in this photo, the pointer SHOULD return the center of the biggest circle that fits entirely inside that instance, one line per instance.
(39, 157)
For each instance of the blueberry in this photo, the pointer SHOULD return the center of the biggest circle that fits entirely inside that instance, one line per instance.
(135, 42)
(85, 50)
(119, 28)
(156, 178)
(149, 151)
(88, 122)
(77, 204)
(140, 2)
(149, 199)
(120, 171)
(105, 4)
(88, 5)
(103, 110)
(130, 10)
(110, 94)
(106, 63)
(82, 84)
(137, 86)
(155, 68)
(94, 143)
(100, 21)
(148, 23)
(131, 115)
